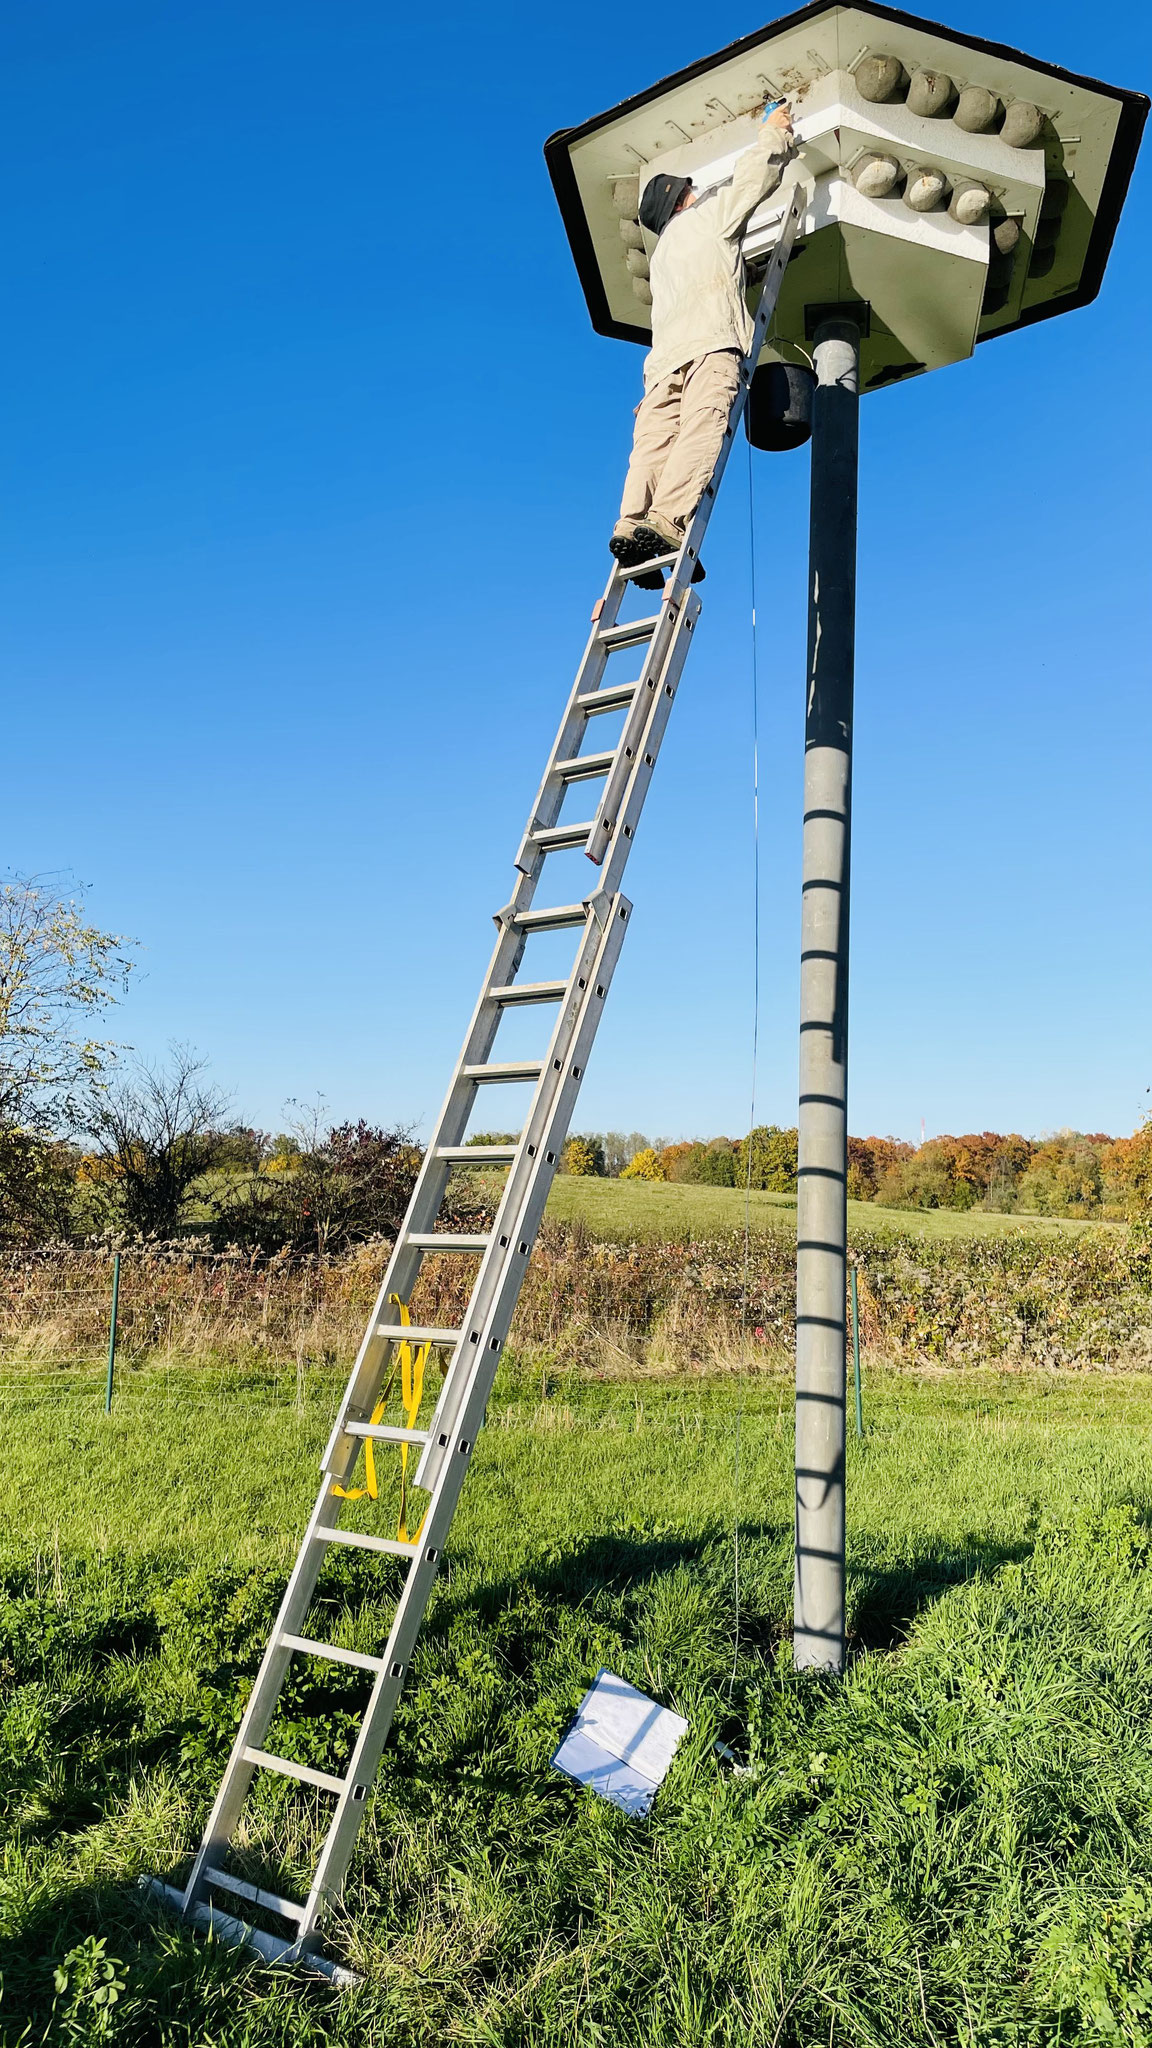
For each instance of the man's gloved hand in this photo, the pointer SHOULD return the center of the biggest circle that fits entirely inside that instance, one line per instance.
(780, 116)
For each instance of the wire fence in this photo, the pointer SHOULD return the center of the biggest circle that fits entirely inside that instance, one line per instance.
(285, 1327)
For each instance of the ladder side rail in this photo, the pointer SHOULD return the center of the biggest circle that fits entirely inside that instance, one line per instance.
(647, 751)
(504, 1245)
(431, 1181)
(657, 704)
(428, 1193)
(343, 1448)
(650, 680)
(593, 662)
(257, 1716)
(519, 1194)
(523, 1202)
(505, 1281)
(454, 1395)
(340, 1841)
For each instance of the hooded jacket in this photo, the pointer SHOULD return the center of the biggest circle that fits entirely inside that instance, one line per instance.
(697, 271)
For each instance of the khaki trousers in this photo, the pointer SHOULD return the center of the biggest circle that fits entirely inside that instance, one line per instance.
(679, 427)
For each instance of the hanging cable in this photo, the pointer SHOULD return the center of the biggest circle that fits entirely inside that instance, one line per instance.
(747, 1260)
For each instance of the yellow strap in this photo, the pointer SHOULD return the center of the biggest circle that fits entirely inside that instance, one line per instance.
(411, 1394)
(409, 1363)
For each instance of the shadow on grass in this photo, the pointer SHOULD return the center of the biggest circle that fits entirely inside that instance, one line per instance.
(885, 1602)
(173, 1976)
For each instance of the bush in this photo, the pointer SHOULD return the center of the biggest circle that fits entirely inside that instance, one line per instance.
(353, 1184)
(645, 1165)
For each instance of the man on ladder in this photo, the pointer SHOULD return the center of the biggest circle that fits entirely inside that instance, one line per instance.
(701, 330)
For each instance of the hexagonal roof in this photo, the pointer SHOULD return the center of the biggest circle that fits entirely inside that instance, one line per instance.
(935, 283)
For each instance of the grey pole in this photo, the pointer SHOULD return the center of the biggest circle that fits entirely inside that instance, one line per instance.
(822, 1215)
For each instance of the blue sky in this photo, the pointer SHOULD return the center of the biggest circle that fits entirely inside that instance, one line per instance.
(309, 461)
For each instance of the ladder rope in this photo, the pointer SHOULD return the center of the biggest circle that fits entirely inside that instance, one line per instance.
(408, 1364)
(747, 1259)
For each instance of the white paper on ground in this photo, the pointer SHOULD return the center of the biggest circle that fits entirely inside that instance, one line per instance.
(620, 1743)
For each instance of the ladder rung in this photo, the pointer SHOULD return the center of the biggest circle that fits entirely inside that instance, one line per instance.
(271, 1901)
(611, 699)
(529, 992)
(556, 837)
(551, 920)
(504, 1070)
(288, 1769)
(390, 1545)
(446, 1241)
(631, 635)
(582, 767)
(387, 1432)
(646, 568)
(333, 1653)
(415, 1333)
(477, 1155)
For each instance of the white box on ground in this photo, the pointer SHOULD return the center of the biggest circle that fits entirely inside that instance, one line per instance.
(621, 1743)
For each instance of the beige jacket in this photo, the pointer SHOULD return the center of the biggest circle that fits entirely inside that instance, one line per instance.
(697, 270)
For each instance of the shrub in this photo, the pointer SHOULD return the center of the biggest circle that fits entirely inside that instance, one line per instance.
(645, 1165)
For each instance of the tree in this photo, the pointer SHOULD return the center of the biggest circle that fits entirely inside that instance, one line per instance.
(619, 1148)
(157, 1130)
(583, 1154)
(37, 1186)
(644, 1165)
(57, 973)
(1064, 1176)
(680, 1160)
(869, 1159)
(773, 1159)
(1126, 1171)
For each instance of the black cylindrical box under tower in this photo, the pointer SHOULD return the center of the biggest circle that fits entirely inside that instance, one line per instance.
(779, 410)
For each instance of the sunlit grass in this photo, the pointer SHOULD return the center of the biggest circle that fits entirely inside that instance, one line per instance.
(618, 1209)
(954, 1845)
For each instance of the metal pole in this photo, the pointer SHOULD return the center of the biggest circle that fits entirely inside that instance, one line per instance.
(822, 1215)
(856, 1355)
(112, 1332)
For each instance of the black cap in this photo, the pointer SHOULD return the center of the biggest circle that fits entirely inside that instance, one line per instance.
(661, 198)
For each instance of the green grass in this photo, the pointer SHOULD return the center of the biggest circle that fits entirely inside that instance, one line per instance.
(616, 1209)
(952, 1846)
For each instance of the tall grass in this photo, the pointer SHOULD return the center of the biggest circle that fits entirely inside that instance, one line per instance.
(1017, 1300)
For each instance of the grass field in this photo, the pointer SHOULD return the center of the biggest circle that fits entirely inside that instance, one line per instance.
(617, 1209)
(952, 1846)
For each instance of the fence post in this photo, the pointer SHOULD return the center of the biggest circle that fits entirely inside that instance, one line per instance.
(112, 1332)
(856, 1351)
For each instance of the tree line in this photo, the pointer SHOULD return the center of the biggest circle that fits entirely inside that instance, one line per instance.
(1068, 1173)
(95, 1142)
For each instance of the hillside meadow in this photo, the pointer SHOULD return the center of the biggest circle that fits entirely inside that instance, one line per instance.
(622, 1209)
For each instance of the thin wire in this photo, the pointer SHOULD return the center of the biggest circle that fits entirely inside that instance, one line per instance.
(736, 1480)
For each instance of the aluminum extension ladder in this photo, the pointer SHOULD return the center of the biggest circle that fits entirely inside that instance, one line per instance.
(447, 1444)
